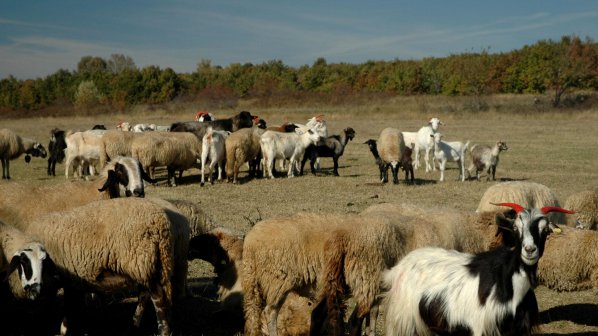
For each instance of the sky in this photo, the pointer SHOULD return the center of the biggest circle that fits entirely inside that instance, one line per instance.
(37, 38)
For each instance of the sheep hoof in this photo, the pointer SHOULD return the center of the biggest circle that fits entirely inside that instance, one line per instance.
(201, 184)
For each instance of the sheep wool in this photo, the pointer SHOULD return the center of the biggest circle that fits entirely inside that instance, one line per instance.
(585, 205)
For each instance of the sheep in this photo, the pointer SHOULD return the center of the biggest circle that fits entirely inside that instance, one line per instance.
(422, 141)
(449, 151)
(13, 145)
(36, 270)
(82, 149)
(243, 119)
(242, 146)
(56, 148)
(485, 158)
(176, 151)
(276, 145)
(528, 194)
(438, 291)
(22, 203)
(97, 248)
(585, 205)
(213, 146)
(391, 147)
(333, 146)
(115, 143)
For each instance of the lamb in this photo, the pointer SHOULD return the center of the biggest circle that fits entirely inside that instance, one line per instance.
(213, 146)
(485, 158)
(585, 205)
(96, 248)
(433, 290)
(243, 146)
(56, 148)
(391, 147)
(422, 141)
(449, 151)
(13, 145)
(527, 194)
(36, 270)
(243, 119)
(82, 149)
(333, 146)
(176, 151)
(276, 145)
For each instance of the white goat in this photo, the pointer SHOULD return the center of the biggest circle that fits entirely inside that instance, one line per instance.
(421, 139)
(213, 147)
(276, 145)
(449, 151)
(82, 151)
(485, 158)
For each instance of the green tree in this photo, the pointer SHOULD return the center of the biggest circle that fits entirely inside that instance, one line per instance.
(87, 95)
(119, 62)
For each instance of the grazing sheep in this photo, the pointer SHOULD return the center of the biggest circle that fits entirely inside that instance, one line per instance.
(333, 146)
(19, 252)
(12, 146)
(527, 194)
(585, 205)
(570, 261)
(422, 141)
(291, 146)
(115, 143)
(56, 148)
(391, 148)
(449, 151)
(485, 158)
(437, 291)
(213, 146)
(176, 151)
(243, 146)
(97, 248)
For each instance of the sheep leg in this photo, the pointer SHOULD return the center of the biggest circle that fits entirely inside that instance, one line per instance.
(140, 309)
(273, 316)
(427, 160)
(161, 306)
(171, 175)
(5, 169)
(441, 166)
(416, 150)
(303, 163)
(335, 169)
(394, 167)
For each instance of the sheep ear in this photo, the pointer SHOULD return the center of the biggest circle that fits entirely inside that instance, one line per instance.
(14, 263)
(144, 175)
(110, 180)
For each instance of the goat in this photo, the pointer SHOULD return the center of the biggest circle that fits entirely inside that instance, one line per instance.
(486, 158)
(422, 141)
(333, 146)
(276, 145)
(449, 151)
(56, 148)
(437, 291)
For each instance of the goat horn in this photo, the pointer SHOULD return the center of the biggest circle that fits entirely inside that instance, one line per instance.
(518, 208)
(548, 209)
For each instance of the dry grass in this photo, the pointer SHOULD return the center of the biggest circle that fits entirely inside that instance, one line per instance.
(556, 149)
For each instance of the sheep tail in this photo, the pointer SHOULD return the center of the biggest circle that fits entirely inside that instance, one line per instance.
(331, 304)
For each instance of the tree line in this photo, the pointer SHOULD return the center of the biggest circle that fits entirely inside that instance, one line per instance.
(547, 66)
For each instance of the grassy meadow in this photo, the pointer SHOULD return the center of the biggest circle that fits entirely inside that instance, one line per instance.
(555, 148)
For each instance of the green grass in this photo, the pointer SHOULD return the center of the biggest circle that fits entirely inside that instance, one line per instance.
(559, 150)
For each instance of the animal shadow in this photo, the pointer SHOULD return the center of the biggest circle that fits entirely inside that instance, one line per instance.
(579, 313)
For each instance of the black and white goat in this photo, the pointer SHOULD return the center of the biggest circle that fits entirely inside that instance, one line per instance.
(333, 146)
(437, 291)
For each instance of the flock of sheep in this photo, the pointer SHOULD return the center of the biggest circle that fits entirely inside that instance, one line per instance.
(426, 270)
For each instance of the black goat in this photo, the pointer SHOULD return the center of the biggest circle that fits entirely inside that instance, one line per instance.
(56, 148)
(242, 120)
(333, 146)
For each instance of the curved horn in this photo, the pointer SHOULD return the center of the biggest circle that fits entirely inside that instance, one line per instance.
(548, 209)
(518, 208)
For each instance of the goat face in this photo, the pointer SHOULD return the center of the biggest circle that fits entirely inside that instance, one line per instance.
(31, 262)
(39, 150)
(502, 145)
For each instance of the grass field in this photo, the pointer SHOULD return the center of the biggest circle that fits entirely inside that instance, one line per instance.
(559, 150)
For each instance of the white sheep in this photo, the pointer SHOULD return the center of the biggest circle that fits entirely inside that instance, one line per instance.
(12, 146)
(213, 147)
(433, 290)
(114, 245)
(422, 141)
(82, 151)
(276, 145)
(485, 158)
(585, 205)
(449, 151)
(19, 252)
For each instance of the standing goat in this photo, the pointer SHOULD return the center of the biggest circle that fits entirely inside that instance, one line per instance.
(422, 141)
(449, 151)
(56, 148)
(485, 158)
(437, 291)
(333, 146)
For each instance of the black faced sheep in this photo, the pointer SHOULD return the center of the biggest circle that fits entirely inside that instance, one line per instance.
(12, 146)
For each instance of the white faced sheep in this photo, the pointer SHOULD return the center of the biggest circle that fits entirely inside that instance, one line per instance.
(276, 145)
(96, 248)
(12, 146)
(422, 141)
(449, 151)
(243, 146)
(585, 205)
(437, 291)
(333, 146)
(527, 194)
(485, 158)
(391, 147)
(213, 147)
(34, 268)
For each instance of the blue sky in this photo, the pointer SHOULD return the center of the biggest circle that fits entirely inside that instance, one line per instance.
(39, 37)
